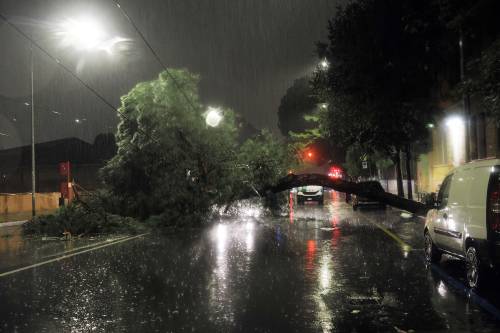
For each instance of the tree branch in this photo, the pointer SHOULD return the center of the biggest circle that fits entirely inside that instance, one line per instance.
(372, 190)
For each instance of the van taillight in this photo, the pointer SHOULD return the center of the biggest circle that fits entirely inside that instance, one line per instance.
(494, 206)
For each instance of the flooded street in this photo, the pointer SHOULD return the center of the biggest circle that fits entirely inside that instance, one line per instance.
(321, 269)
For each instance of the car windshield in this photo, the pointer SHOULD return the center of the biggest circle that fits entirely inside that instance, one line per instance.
(311, 188)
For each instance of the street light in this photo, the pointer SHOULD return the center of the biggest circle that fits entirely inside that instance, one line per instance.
(87, 35)
(83, 35)
(213, 116)
(456, 136)
(324, 64)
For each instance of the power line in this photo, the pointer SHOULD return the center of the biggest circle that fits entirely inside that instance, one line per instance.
(73, 74)
(57, 61)
(157, 57)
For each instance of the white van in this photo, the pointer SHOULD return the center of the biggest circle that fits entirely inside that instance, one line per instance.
(465, 221)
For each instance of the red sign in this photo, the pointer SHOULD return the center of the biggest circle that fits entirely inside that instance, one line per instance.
(64, 169)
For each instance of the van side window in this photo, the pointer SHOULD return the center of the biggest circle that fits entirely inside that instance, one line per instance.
(444, 192)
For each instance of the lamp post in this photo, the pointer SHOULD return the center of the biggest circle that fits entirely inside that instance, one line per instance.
(33, 166)
(470, 132)
(83, 35)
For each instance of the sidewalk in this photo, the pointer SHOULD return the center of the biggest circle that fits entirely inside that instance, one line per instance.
(7, 219)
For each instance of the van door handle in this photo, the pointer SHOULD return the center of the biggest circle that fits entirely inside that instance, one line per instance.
(445, 216)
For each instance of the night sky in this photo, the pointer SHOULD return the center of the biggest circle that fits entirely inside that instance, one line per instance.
(248, 52)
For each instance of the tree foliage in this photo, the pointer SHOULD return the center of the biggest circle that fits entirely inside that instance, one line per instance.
(486, 83)
(170, 163)
(295, 104)
(381, 73)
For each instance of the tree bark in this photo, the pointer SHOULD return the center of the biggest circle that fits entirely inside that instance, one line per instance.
(372, 190)
(399, 176)
(408, 172)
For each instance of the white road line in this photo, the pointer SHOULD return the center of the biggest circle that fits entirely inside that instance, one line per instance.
(68, 256)
(107, 241)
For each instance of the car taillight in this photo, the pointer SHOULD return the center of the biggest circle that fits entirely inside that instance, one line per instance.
(494, 204)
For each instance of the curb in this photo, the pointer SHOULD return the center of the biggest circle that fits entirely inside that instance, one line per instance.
(11, 224)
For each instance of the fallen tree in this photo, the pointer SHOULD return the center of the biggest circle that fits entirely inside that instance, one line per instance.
(371, 189)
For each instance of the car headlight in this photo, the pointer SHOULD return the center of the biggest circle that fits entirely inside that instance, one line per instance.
(300, 193)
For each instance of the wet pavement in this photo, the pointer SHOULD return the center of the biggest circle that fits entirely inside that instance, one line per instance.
(320, 269)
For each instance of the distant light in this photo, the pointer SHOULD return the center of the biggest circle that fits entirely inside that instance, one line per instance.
(442, 290)
(77, 121)
(55, 112)
(324, 64)
(213, 117)
(310, 154)
(324, 106)
(456, 136)
(27, 104)
(454, 121)
(430, 125)
(249, 226)
(3, 134)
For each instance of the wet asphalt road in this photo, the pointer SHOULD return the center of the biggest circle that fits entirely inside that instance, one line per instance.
(321, 269)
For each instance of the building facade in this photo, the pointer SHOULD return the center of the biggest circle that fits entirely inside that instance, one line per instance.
(448, 149)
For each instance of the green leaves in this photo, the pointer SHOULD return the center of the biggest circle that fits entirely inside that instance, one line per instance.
(376, 85)
(170, 164)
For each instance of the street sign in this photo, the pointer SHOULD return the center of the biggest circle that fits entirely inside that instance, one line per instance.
(364, 164)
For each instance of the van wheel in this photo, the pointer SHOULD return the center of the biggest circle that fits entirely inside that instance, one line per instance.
(474, 269)
(432, 253)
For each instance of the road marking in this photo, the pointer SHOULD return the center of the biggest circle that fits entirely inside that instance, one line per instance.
(389, 233)
(69, 256)
(107, 241)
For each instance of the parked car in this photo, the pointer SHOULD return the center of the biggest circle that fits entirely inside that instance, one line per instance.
(310, 193)
(357, 201)
(465, 220)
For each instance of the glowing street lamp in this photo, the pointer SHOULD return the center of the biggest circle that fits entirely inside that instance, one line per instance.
(456, 136)
(213, 116)
(324, 64)
(82, 34)
(87, 35)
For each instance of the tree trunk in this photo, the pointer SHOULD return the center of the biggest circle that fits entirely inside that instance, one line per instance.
(408, 172)
(371, 189)
(399, 176)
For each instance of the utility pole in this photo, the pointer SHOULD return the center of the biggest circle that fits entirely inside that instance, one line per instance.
(33, 174)
(465, 103)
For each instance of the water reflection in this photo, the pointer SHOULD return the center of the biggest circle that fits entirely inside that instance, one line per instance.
(326, 274)
(311, 251)
(234, 244)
